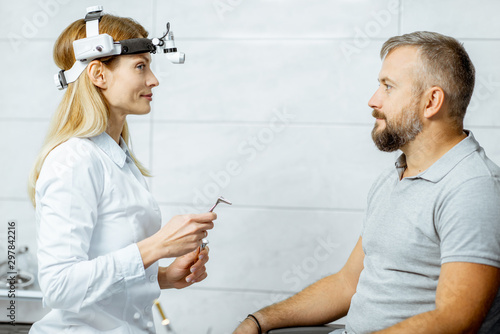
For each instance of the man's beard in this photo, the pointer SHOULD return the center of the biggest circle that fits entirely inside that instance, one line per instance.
(400, 131)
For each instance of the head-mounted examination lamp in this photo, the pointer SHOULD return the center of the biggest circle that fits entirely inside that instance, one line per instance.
(97, 45)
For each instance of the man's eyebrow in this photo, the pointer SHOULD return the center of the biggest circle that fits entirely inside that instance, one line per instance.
(386, 79)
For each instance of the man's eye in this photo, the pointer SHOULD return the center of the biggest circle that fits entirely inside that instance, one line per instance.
(388, 87)
(141, 66)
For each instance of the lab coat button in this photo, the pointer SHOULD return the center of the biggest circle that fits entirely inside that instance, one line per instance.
(152, 278)
(150, 324)
(137, 316)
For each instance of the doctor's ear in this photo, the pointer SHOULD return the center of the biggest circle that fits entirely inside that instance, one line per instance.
(97, 74)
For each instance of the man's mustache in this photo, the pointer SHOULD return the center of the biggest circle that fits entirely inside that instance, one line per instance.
(378, 114)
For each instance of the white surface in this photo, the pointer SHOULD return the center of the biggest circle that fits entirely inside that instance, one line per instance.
(461, 19)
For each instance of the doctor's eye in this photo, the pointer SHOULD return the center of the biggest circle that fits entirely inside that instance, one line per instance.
(141, 66)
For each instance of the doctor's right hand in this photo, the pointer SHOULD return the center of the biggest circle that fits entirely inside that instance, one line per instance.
(181, 235)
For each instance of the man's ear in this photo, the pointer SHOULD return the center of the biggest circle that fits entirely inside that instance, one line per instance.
(434, 101)
(97, 74)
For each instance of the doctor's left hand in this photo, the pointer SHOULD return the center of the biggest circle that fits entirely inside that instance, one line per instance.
(184, 271)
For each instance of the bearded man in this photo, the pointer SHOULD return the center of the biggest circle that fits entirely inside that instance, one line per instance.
(428, 257)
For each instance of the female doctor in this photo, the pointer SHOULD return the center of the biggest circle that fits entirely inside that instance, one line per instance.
(99, 235)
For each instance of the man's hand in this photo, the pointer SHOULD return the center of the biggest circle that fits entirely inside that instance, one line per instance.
(184, 271)
(322, 302)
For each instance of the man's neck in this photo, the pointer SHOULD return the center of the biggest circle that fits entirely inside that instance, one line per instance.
(427, 148)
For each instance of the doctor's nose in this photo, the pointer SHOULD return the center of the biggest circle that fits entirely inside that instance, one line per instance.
(152, 81)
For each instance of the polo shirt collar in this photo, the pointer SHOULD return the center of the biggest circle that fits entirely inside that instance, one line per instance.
(117, 153)
(447, 162)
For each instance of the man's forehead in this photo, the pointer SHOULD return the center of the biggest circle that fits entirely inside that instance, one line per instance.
(399, 64)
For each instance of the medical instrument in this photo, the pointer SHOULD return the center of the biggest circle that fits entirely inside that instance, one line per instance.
(97, 45)
(219, 200)
(204, 241)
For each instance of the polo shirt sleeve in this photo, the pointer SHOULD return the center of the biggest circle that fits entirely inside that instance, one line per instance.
(468, 222)
(68, 191)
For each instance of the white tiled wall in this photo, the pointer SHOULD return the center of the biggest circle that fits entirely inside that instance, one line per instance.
(269, 110)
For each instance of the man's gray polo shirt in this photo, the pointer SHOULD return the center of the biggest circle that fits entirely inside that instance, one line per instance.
(448, 213)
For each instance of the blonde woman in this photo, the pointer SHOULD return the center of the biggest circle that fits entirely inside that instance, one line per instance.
(99, 227)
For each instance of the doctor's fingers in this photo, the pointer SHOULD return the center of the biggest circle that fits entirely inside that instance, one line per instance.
(197, 276)
(193, 221)
(202, 228)
(203, 253)
(199, 263)
(183, 226)
(206, 217)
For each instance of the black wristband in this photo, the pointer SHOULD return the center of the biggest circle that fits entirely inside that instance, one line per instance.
(254, 319)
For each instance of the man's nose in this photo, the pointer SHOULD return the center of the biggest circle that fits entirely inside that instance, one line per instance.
(375, 102)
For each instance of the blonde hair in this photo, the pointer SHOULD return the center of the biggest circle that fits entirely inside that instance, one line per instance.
(83, 111)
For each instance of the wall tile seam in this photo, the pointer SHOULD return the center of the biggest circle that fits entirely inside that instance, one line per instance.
(285, 39)
(239, 207)
(16, 199)
(292, 39)
(27, 119)
(237, 123)
(304, 125)
(274, 208)
(207, 123)
(260, 124)
(400, 16)
(239, 290)
(278, 38)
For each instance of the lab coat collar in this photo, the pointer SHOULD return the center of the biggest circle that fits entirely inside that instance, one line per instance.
(116, 153)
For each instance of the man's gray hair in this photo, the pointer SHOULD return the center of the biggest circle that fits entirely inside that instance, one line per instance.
(445, 64)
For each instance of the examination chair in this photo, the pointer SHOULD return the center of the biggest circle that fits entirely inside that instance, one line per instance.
(306, 330)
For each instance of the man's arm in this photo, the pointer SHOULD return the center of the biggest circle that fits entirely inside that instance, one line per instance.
(324, 301)
(464, 296)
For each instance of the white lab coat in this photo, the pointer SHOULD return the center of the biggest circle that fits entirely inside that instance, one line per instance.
(92, 207)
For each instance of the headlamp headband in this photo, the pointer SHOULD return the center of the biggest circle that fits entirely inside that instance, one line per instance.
(97, 45)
